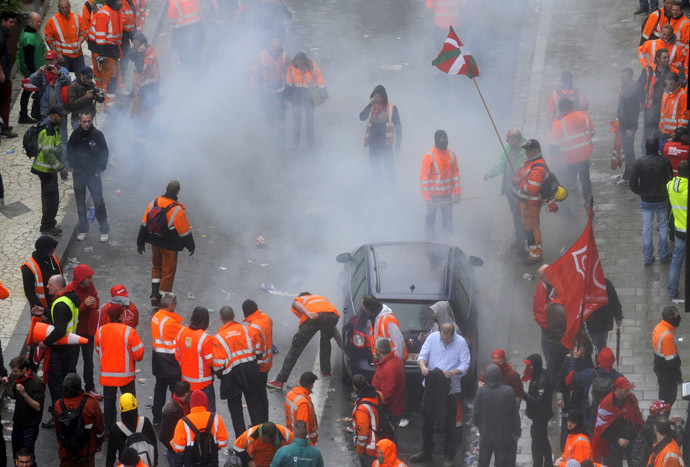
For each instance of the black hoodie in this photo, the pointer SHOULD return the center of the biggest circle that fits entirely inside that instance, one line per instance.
(538, 396)
(87, 151)
(43, 255)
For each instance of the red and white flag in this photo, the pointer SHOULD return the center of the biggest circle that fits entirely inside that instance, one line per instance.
(455, 59)
(578, 279)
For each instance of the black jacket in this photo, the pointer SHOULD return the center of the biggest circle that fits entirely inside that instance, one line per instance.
(649, 177)
(44, 246)
(117, 439)
(572, 397)
(496, 412)
(646, 439)
(436, 389)
(87, 151)
(60, 316)
(538, 396)
(172, 413)
(601, 320)
(5, 52)
(629, 106)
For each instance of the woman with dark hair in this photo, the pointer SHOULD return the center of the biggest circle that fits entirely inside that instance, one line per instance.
(305, 88)
(383, 129)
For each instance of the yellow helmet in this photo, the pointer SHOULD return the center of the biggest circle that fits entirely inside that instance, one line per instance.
(561, 194)
(127, 402)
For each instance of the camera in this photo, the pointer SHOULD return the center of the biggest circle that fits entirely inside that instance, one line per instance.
(97, 92)
(100, 60)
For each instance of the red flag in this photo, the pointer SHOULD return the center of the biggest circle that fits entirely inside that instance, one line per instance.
(578, 279)
(455, 59)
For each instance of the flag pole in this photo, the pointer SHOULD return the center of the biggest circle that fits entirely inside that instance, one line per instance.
(494, 125)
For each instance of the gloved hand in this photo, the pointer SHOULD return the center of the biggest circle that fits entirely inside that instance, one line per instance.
(140, 250)
(191, 252)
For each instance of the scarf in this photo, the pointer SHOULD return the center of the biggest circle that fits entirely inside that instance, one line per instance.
(51, 77)
(379, 112)
(182, 404)
(21, 380)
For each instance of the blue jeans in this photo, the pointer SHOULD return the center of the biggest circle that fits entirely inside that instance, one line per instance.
(659, 209)
(676, 264)
(81, 182)
(651, 4)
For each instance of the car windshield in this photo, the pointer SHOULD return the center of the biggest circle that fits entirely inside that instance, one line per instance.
(413, 317)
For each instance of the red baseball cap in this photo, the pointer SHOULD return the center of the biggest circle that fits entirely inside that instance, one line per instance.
(623, 383)
(498, 353)
(51, 55)
(119, 291)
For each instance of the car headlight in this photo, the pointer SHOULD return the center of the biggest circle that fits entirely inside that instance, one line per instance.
(358, 340)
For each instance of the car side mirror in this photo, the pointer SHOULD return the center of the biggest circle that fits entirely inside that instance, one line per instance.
(344, 258)
(476, 261)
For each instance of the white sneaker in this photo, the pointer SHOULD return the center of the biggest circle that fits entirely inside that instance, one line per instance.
(104, 238)
(81, 237)
(403, 423)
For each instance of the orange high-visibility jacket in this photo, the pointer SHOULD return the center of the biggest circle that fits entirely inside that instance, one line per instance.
(579, 99)
(647, 52)
(651, 82)
(89, 11)
(572, 134)
(268, 72)
(177, 217)
(365, 422)
(106, 29)
(150, 74)
(232, 345)
(664, 341)
(681, 28)
(257, 449)
(183, 12)
(528, 179)
(128, 14)
(39, 285)
(310, 78)
(674, 110)
(63, 33)
(298, 406)
(390, 455)
(384, 319)
(194, 353)
(142, 13)
(199, 416)
(314, 304)
(261, 331)
(669, 456)
(446, 13)
(655, 21)
(577, 447)
(118, 347)
(440, 174)
(165, 326)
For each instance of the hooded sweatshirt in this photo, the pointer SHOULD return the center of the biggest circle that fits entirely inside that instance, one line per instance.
(88, 315)
(442, 314)
(390, 455)
(87, 151)
(538, 396)
(130, 317)
(43, 255)
(496, 411)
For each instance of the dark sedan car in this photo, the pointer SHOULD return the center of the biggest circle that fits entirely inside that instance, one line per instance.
(409, 277)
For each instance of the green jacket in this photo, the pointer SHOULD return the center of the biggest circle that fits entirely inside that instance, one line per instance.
(30, 37)
(500, 166)
(49, 159)
(299, 453)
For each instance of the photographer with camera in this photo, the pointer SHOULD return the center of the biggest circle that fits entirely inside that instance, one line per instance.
(83, 95)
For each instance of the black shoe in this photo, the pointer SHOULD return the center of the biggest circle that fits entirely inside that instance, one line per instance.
(49, 423)
(55, 231)
(26, 120)
(641, 11)
(156, 300)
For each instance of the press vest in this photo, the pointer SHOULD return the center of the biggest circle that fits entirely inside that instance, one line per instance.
(678, 196)
(72, 324)
(39, 286)
(390, 128)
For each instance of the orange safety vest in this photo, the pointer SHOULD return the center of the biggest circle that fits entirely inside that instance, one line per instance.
(390, 129)
(669, 456)
(151, 73)
(674, 111)
(298, 406)
(39, 286)
(64, 32)
(118, 347)
(183, 12)
(199, 417)
(89, 11)
(257, 449)
(310, 79)
(577, 447)
(165, 326)
(655, 21)
(664, 341)
(365, 422)
(128, 14)
(232, 345)
(446, 12)
(194, 353)
(528, 180)
(383, 320)
(269, 70)
(140, 17)
(681, 28)
(177, 217)
(573, 134)
(261, 330)
(650, 83)
(440, 174)
(648, 50)
(314, 304)
(105, 28)
(578, 98)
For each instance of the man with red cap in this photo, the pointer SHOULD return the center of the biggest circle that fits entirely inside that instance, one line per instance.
(510, 376)
(189, 426)
(120, 296)
(618, 422)
(82, 285)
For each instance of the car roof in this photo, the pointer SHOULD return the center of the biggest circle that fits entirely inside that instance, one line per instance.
(395, 267)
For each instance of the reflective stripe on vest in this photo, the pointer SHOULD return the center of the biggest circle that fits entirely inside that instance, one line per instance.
(185, 16)
(266, 70)
(439, 184)
(558, 94)
(266, 352)
(362, 440)
(72, 324)
(657, 351)
(678, 204)
(201, 378)
(245, 355)
(670, 124)
(672, 455)
(294, 405)
(63, 46)
(128, 372)
(169, 346)
(579, 438)
(39, 287)
(389, 126)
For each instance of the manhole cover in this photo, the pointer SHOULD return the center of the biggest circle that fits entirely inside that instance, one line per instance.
(14, 209)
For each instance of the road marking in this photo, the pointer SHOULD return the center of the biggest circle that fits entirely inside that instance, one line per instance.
(319, 393)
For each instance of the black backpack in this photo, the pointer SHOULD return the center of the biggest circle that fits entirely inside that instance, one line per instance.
(157, 220)
(73, 434)
(386, 427)
(30, 141)
(601, 386)
(204, 450)
(549, 186)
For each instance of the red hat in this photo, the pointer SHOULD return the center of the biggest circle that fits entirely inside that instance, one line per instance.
(119, 291)
(51, 55)
(606, 357)
(623, 383)
(659, 407)
(115, 310)
(82, 272)
(198, 398)
(498, 353)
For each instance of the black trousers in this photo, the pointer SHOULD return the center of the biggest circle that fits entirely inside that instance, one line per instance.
(517, 217)
(50, 199)
(504, 456)
(326, 323)
(24, 437)
(63, 360)
(254, 407)
(87, 356)
(159, 398)
(616, 453)
(668, 385)
(541, 447)
(74, 64)
(109, 396)
(449, 429)
(263, 392)
(571, 172)
(24, 105)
